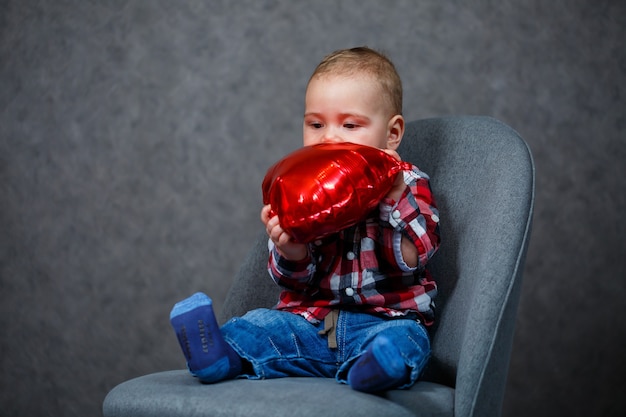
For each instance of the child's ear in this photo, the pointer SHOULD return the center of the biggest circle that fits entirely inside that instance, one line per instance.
(395, 131)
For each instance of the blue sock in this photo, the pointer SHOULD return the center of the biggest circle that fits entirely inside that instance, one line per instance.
(208, 355)
(380, 368)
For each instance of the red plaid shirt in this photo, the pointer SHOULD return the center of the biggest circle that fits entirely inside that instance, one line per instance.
(361, 267)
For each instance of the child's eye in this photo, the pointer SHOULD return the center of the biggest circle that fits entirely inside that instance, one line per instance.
(350, 125)
(315, 125)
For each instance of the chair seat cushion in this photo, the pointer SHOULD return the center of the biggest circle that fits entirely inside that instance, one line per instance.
(177, 393)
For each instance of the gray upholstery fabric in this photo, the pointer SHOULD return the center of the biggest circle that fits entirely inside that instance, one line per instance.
(482, 175)
(177, 394)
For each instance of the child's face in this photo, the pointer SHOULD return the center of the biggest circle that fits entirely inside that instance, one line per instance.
(347, 109)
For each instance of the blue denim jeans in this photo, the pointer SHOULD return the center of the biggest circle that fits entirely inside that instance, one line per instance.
(280, 344)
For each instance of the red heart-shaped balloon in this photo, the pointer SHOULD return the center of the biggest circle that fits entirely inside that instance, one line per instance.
(321, 189)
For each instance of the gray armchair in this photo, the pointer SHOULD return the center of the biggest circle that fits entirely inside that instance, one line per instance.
(483, 179)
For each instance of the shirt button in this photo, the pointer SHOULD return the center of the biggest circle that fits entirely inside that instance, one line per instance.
(318, 242)
(350, 256)
(349, 292)
(396, 214)
(435, 218)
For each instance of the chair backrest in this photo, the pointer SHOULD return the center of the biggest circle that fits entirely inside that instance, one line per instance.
(482, 175)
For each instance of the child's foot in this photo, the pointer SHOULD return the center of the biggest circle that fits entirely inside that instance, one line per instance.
(380, 368)
(208, 355)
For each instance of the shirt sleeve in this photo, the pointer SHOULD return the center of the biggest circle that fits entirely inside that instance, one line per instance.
(415, 217)
(292, 275)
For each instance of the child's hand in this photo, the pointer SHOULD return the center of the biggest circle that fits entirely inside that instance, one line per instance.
(399, 185)
(286, 246)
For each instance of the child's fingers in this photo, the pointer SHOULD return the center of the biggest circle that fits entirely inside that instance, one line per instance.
(265, 213)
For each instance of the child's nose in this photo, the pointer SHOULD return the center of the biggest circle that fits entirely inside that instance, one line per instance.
(331, 136)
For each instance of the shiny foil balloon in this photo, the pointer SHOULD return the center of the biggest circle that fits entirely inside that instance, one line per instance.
(321, 189)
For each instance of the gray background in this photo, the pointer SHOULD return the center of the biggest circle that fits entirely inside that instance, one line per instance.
(134, 136)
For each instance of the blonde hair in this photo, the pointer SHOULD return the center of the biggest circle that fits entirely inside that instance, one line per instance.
(364, 60)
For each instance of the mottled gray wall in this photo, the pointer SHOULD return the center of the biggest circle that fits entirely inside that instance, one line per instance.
(134, 136)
